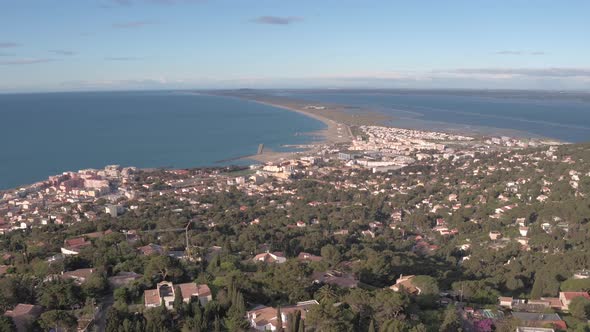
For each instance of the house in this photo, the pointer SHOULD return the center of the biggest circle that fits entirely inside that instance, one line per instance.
(270, 257)
(151, 249)
(583, 274)
(506, 301)
(405, 283)
(79, 276)
(307, 257)
(341, 232)
(98, 235)
(335, 278)
(165, 293)
(567, 297)
(554, 302)
(123, 278)
(73, 246)
(530, 305)
(264, 318)
(533, 319)
(4, 269)
(533, 329)
(114, 210)
(23, 315)
(495, 235)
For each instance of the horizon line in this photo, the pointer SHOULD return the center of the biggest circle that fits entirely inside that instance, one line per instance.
(466, 89)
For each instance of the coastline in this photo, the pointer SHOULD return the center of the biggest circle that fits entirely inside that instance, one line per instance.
(334, 133)
(338, 123)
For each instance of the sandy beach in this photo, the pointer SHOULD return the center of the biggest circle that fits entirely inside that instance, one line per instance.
(337, 120)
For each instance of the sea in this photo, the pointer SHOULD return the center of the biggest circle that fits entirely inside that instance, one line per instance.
(535, 114)
(47, 134)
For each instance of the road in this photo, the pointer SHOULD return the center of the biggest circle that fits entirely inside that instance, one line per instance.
(101, 319)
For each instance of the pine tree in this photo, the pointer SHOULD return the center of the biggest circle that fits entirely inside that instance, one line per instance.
(113, 320)
(235, 316)
(216, 324)
(301, 326)
(296, 321)
(177, 299)
(451, 321)
(232, 293)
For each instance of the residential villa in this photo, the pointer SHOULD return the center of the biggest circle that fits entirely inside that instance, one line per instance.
(264, 318)
(73, 246)
(405, 283)
(533, 329)
(123, 278)
(23, 315)
(558, 303)
(533, 319)
(567, 297)
(151, 249)
(4, 269)
(79, 276)
(165, 292)
(307, 257)
(335, 278)
(270, 257)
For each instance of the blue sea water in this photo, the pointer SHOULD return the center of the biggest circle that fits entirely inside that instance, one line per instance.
(46, 134)
(532, 114)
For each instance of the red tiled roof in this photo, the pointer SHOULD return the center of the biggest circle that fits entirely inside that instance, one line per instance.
(151, 249)
(203, 290)
(572, 295)
(79, 274)
(4, 269)
(554, 302)
(187, 290)
(151, 297)
(77, 242)
(24, 309)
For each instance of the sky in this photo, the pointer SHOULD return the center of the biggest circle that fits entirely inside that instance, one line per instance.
(73, 45)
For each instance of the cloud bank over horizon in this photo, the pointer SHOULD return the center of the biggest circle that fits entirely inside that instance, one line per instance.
(460, 78)
(170, 44)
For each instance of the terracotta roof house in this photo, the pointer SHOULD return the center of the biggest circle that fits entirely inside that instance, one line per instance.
(73, 246)
(270, 257)
(97, 235)
(165, 291)
(304, 256)
(567, 297)
(554, 302)
(335, 278)
(4, 269)
(264, 318)
(533, 329)
(533, 319)
(80, 275)
(123, 278)
(405, 283)
(505, 301)
(151, 249)
(23, 315)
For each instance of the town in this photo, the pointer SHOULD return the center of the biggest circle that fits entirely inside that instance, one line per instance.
(399, 230)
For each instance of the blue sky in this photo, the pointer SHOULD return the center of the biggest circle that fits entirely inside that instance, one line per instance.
(61, 45)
